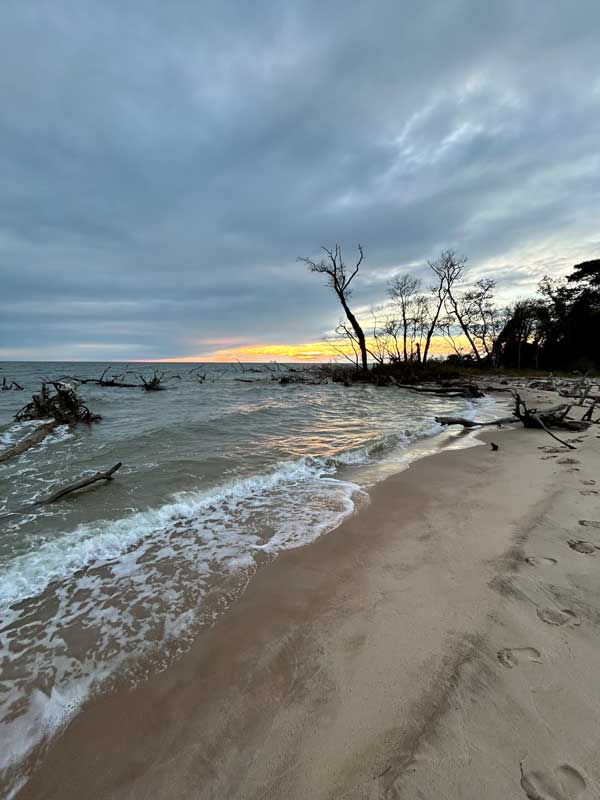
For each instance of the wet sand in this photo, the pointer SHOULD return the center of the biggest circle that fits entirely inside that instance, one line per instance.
(443, 642)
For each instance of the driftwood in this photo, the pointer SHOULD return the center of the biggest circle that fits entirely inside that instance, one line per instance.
(196, 375)
(554, 417)
(587, 417)
(471, 423)
(74, 487)
(114, 380)
(153, 384)
(6, 387)
(29, 441)
(445, 390)
(65, 406)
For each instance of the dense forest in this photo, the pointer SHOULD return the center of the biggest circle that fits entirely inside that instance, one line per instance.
(558, 328)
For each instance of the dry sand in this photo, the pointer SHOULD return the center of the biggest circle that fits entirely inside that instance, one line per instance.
(444, 642)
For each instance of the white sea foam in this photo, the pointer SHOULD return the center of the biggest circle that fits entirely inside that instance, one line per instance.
(141, 585)
(62, 556)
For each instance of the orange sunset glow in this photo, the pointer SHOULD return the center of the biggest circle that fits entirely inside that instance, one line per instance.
(303, 352)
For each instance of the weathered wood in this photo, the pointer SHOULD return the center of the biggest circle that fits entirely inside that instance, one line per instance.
(65, 406)
(29, 441)
(450, 389)
(74, 487)
(470, 423)
(154, 383)
(549, 432)
(554, 417)
(13, 385)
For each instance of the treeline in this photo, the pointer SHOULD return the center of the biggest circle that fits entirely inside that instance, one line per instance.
(557, 329)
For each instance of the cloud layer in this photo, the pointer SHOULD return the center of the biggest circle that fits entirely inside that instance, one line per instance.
(162, 165)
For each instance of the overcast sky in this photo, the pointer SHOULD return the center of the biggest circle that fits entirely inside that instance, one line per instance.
(163, 164)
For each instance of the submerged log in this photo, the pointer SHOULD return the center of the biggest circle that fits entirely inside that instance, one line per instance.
(64, 407)
(74, 487)
(29, 441)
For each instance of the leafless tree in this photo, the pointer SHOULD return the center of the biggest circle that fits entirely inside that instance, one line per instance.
(343, 330)
(403, 293)
(339, 277)
(479, 318)
(447, 269)
(381, 340)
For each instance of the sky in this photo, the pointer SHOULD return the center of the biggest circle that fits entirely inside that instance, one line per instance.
(163, 165)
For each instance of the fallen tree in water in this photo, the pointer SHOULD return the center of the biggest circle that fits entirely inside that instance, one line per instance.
(29, 441)
(82, 484)
(153, 384)
(63, 407)
(13, 385)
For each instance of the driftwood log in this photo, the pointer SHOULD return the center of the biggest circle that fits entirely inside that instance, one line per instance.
(471, 423)
(153, 384)
(554, 417)
(6, 387)
(63, 407)
(543, 419)
(29, 441)
(74, 487)
(444, 389)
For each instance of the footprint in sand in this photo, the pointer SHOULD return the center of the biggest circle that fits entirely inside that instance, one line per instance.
(589, 491)
(555, 616)
(511, 656)
(589, 523)
(534, 561)
(568, 461)
(581, 546)
(561, 783)
(589, 483)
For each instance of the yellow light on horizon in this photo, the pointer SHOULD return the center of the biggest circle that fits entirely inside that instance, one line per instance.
(302, 352)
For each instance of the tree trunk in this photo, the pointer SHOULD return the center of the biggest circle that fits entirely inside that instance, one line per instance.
(360, 336)
(464, 328)
(430, 332)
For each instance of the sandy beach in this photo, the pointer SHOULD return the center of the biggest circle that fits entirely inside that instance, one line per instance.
(443, 642)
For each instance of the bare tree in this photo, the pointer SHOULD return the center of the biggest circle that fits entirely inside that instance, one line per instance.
(480, 318)
(382, 338)
(420, 325)
(403, 293)
(447, 269)
(344, 330)
(339, 277)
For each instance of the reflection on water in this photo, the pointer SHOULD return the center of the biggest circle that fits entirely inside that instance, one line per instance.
(217, 478)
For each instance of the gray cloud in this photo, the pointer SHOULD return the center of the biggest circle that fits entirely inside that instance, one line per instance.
(162, 165)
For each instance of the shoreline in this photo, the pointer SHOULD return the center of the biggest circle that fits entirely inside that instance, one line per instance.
(328, 675)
